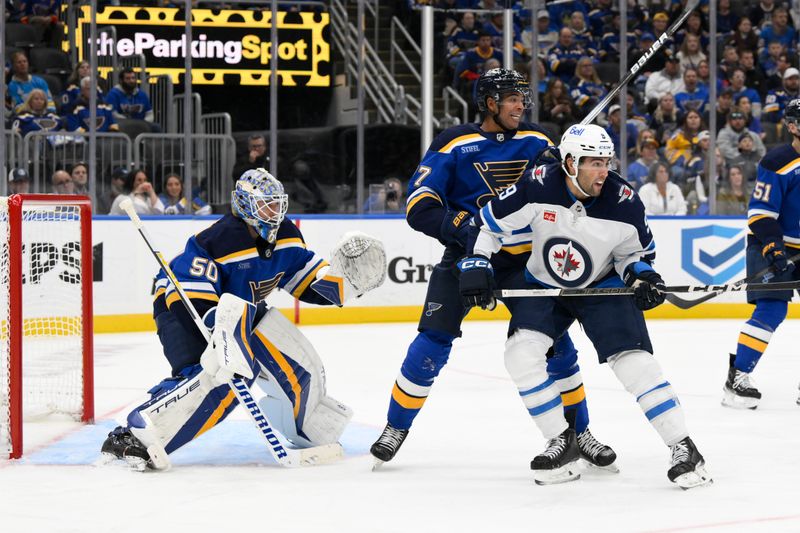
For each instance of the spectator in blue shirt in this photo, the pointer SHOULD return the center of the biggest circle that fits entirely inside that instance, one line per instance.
(737, 80)
(128, 101)
(648, 154)
(79, 119)
(694, 96)
(777, 99)
(614, 129)
(33, 115)
(779, 30)
(22, 82)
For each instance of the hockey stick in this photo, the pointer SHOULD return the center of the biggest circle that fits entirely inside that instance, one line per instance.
(283, 456)
(629, 291)
(764, 275)
(691, 5)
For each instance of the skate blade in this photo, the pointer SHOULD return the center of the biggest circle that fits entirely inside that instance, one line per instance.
(377, 464)
(734, 401)
(564, 474)
(697, 478)
(608, 469)
(137, 464)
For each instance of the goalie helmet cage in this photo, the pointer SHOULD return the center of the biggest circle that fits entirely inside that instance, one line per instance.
(46, 356)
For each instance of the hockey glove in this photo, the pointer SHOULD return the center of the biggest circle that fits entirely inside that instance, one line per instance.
(477, 282)
(455, 227)
(775, 254)
(647, 284)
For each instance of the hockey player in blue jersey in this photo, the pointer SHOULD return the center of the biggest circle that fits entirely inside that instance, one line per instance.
(463, 169)
(227, 271)
(774, 223)
(589, 230)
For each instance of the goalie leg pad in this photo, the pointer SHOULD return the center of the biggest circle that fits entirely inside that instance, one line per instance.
(358, 265)
(293, 378)
(525, 359)
(641, 375)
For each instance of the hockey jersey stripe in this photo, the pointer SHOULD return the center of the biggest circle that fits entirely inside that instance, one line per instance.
(307, 278)
(660, 409)
(460, 141)
(542, 409)
(411, 388)
(751, 342)
(525, 134)
(573, 397)
(661, 386)
(276, 354)
(789, 166)
(537, 388)
(761, 334)
(282, 244)
(192, 295)
(488, 218)
(414, 201)
(406, 400)
(517, 249)
(249, 253)
(215, 416)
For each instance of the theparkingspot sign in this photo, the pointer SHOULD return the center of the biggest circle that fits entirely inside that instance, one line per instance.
(228, 46)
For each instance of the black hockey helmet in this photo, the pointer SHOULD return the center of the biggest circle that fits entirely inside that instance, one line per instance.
(792, 111)
(498, 82)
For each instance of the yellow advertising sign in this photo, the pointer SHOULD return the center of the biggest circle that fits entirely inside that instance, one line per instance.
(230, 47)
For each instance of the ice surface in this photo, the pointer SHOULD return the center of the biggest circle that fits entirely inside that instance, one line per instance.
(464, 466)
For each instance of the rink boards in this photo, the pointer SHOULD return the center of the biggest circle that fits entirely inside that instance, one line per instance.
(693, 250)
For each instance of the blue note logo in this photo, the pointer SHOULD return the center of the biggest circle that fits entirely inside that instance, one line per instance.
(713, 254)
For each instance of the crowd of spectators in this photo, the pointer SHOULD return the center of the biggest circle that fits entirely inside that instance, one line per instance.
(668, 102)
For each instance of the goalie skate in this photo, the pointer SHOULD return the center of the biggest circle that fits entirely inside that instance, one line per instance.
(558, 463)
(596, 454)
(122, 445)
(739, 392)
(688, 466)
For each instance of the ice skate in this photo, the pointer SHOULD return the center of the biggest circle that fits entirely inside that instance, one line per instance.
(740, 392)
(385, 448)
(558, 463)
(688, 466)
(596, 454)
(121, 444)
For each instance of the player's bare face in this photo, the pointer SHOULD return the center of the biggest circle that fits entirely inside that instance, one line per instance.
(592, 174)
(511, 108)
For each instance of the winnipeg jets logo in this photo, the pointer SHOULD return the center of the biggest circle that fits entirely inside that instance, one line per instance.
(432, 308)
(567, 262)
(538, 174)
(625, 193)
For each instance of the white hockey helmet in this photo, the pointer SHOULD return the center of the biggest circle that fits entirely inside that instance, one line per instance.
(584, 140)
(258, 198)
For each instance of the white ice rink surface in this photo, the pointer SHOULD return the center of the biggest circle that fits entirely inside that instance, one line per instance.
(465, 465)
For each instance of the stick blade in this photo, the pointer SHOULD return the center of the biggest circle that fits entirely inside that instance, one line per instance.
(318, 455)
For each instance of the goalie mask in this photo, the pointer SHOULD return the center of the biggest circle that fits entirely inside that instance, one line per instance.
(258, 199)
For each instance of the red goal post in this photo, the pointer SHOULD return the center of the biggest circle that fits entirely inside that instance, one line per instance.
(46, 337)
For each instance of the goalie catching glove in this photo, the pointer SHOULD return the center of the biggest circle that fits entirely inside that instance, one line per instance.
(647, 284)
(358, 265)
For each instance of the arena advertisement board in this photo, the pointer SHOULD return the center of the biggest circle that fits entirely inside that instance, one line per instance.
(228, 46)
(690, 251)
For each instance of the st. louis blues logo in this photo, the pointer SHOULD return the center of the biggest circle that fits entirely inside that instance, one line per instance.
(432, 308)
(567, 261)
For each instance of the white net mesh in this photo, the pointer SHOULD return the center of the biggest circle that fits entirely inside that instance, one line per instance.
(52, 350)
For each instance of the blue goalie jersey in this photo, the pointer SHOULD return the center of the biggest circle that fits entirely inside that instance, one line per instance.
(226, 258)
(464, 168)
(774, 210)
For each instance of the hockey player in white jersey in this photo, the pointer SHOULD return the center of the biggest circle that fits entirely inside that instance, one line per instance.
(589, 230)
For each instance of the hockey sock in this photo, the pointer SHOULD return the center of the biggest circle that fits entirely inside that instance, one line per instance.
(757, 332)
(426, 356)
(563, 368)
(525, 362)
(641, 375)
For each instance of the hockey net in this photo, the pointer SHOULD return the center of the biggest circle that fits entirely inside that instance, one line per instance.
(45, 312)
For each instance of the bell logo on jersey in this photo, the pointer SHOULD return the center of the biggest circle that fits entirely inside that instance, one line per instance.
(549, 216)
(567, 262)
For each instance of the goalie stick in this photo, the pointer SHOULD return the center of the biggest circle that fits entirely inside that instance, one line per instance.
(629, 291)
(764, 275)
(691, 5)
(283, 456)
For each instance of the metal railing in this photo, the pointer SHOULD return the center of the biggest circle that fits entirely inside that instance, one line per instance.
(448, 93)
(14, 154)
(381, 89)
(216, 124)
(212, 163)
(161, 95)
(177, 110)
(45, 152)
